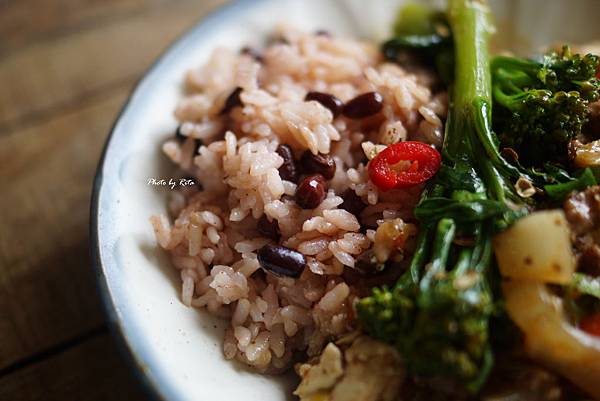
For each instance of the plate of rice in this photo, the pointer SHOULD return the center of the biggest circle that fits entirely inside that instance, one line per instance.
(305, 200)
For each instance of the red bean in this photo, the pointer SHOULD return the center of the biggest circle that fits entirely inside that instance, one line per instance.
(269, 229)
(178, 135)
(323, 32)
(334, 104)
(364, 105)
(311, 191)
(182, 138)
(288, 170)
(281, 261)
(233, 100)
(318, 164)
(367, 264)
(252, 52)
(352, 202)
(195, 180)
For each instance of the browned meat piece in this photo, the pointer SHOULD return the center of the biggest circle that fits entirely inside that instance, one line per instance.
(589, 260)
(583, 213)
(354, 369)
(522, 381)
(582, 210)
(584, 154)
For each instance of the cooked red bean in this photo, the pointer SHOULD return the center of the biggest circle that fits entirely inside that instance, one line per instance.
(288, 170)
(367, 264)
(334, 104)
(269, 229)
(318, 164)
(197, 144)
(195, 180)
(352, 202)
(278, 39)
(364, 105)
(233, 100)
(281, 261)
(182, 138)
(178, 135)
(252, 52)
(311, 191)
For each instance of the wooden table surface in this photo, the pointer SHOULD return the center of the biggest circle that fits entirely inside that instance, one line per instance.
(66, 68)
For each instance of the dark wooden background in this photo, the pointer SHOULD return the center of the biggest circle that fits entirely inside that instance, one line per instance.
(66, 68)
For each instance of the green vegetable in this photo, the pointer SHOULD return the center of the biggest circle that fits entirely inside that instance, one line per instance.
(539, 106)
(435, 208)
(586, 285)
(438, 313)
(424, 32)
(558, 192)
(582, 296)
(418, 19)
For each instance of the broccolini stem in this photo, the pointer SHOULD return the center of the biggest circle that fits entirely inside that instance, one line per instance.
(527, 66)
(438, 322)
(472, 92)
(481, 119)
(482, 254)
(446, 229)
(463, 261)
(418, 260)
(471, 28)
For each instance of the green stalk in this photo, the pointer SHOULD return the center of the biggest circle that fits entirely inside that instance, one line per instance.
(463, 262)
(471, 28)
(445, 230)
(471, 25)
(515, 64)
(472, 94)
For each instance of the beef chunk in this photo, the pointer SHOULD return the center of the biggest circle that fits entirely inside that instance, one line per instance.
(583, 213)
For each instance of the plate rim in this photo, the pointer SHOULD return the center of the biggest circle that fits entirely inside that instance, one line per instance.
(152, 386)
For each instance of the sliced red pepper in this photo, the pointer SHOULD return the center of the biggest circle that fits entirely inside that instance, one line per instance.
(425, 162)
(591, 324)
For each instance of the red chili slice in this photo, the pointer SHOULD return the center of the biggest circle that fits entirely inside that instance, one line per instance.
(425, 162)
(591, 324)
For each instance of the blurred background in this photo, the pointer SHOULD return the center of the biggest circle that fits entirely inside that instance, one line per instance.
(66, 68)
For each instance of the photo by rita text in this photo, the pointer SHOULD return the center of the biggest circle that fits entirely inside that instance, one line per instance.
(171, 183)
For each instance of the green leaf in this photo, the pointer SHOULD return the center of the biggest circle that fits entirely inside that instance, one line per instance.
(413, 42)
(558, 192)
(461, 211)
(459, 176)
(587, 285)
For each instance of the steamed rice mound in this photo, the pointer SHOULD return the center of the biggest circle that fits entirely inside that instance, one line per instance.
(213, 239)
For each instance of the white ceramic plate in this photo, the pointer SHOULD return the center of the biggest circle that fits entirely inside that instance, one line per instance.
(178, 349)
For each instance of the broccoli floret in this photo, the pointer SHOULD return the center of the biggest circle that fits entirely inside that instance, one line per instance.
(440, 326)
(539, 106)
(539, 124)
(567, 72)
